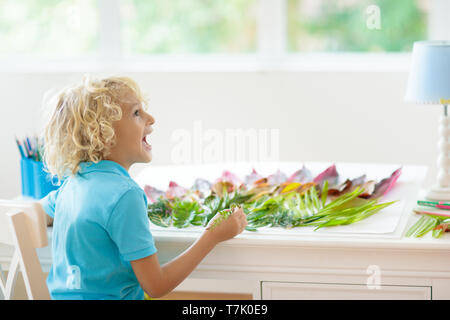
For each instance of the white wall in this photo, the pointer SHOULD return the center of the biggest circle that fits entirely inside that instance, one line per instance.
(354, 116)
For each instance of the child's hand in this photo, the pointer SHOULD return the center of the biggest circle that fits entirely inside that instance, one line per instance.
(233, 225)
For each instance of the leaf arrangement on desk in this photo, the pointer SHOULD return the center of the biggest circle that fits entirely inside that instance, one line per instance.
(273, 201)
(426, 223)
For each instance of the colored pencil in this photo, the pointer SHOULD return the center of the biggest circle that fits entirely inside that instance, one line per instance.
(20, 148)
(28, 149)
(434, 213)
(434, 204)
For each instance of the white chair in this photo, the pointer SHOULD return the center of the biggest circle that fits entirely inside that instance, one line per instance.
(23, 225)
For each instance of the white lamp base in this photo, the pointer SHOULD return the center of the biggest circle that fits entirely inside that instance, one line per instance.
(441, 190)
(437, 193)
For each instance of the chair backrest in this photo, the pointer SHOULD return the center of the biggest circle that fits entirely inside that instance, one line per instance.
(23, 225)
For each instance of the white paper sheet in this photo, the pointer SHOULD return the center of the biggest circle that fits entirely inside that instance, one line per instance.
(384, 222)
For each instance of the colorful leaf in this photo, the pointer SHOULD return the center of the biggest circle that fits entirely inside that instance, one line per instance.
(340, 189)
(175, 191)
(422, 226)
(203, 187)
(329, 174)
(369, 188)
(271, 201)
(160, 213)
(152, 193)
(230, 177)
(252, 178)
(382, 187)
(324, 193)
(276, 178)
(359, 181)
(290, 187)
(221, 187)
(302, 175)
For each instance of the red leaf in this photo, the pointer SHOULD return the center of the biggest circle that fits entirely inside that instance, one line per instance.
(443, 226)
(329, 174)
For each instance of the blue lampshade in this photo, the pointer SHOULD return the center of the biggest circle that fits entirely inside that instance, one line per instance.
(429, 78)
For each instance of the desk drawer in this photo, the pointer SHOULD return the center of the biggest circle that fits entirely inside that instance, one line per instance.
(331, 291)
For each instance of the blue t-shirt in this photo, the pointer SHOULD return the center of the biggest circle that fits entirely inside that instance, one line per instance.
(100, 225)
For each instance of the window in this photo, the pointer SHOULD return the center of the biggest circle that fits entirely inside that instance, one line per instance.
(356, 25)
(188, 26)
(258, 32)
(48, 28)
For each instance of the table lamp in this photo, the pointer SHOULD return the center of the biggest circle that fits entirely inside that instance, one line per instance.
(429, 83)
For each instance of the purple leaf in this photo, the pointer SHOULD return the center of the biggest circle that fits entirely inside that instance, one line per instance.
(382, 187)
(276, 178)
(303, 175)
(152, 193)
(359, 180)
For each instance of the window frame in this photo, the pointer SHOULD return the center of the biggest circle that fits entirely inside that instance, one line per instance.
(271, 54)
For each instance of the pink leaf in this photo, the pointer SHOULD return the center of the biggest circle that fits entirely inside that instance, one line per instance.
(228, 176)
(329, 174)
(382, 187)
(175, 190)
(152, 193)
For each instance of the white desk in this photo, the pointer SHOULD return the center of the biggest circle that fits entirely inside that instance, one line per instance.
(285, 264)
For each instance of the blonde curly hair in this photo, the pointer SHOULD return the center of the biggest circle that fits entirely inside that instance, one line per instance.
(80, 124)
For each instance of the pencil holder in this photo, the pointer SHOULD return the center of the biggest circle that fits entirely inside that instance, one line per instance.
(36, 183)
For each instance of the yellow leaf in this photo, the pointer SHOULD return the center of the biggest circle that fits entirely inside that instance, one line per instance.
(291, 186)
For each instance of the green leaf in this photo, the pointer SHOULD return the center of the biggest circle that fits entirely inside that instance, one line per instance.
(418, 224)
(438, 233)
(184, 212)
(424, 225)
(302, 206)
(159, 213)
(351, 215)
(315, 199)
(285, 210)
(324, 193)
(372, 210)
(223, 215)
(159, 221)
(308, 204)
(428, 226)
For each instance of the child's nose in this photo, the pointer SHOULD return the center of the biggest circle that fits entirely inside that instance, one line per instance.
(150, 120)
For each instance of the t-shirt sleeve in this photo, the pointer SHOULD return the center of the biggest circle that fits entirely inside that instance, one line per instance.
(129, 226)
(49, 201)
